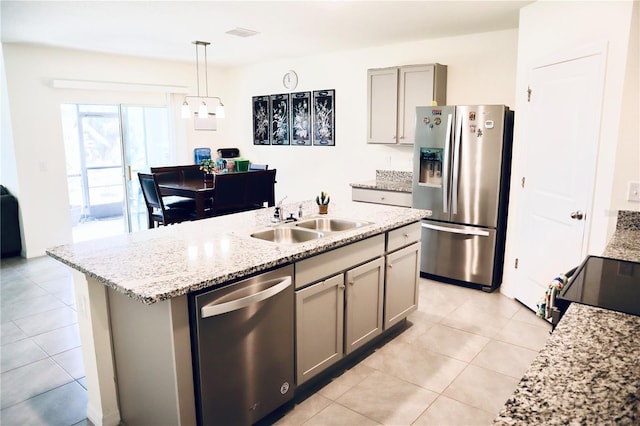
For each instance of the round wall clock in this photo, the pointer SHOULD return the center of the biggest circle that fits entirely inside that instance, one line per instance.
(290, 80)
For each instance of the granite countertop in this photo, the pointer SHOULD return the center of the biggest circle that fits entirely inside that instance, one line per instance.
(587, 373)
(388, 180)
(166, 262)
(589, 370)
(384, 185)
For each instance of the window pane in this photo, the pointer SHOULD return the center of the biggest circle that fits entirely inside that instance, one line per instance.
(101, 135)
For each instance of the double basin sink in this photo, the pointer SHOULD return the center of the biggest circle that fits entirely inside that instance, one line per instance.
(307, 230)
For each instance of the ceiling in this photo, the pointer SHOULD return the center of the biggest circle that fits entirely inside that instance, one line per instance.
(165, 29)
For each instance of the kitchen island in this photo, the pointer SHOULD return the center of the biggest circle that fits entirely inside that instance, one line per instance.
(589, 370)
(132, 290)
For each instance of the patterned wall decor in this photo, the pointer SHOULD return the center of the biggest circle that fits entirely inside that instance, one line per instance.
(280, 118)
(323, 117)
(260, 120)
(299, 119)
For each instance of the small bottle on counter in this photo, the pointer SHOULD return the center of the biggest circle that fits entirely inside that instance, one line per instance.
(300, 211)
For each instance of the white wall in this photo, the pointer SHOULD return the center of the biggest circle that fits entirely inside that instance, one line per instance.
(627, 166)
(481, 70)
(36, 125)
(8, 172)
(547, 28)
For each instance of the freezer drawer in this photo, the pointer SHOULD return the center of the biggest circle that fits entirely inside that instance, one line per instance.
(457, 252)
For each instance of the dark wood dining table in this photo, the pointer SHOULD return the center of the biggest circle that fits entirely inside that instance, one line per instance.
(194, 189)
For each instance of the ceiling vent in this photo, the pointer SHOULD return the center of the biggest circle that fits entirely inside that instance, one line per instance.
(242, 32)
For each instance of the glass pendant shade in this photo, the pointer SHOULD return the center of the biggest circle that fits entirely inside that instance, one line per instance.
(186, 111)
(220, 111)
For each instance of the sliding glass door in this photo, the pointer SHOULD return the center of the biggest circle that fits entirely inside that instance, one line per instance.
(146, 143)
(106, 146)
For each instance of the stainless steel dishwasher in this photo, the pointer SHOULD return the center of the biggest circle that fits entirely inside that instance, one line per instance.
(243, 348)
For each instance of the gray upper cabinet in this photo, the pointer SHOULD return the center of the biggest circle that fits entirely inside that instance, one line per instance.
(393, 95)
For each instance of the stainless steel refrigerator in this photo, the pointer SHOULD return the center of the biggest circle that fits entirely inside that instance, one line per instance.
(462, 167)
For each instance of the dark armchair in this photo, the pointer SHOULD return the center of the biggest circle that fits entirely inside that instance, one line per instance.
(10, 226)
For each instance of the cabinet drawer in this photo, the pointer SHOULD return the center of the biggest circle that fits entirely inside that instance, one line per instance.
(393, 198)
(318, 267)
(403, 236)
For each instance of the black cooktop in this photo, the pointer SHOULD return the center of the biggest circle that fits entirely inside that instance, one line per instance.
(606, 283)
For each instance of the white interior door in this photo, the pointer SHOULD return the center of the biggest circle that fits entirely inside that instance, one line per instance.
(560, 139)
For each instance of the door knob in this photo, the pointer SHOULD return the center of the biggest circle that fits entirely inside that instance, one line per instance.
(577, 215)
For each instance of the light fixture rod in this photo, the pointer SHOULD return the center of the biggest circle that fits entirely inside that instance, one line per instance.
(206, 72)
(185, 106)
(197, 68)
(206, 78)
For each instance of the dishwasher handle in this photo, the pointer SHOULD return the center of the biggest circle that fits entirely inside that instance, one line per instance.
(214, 309)
(478, 232)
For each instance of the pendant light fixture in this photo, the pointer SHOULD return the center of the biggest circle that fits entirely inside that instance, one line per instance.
(202, 110)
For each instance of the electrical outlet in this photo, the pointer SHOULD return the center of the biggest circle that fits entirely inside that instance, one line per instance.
(634, 191)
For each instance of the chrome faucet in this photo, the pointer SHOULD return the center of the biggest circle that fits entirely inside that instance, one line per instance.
(278, 213)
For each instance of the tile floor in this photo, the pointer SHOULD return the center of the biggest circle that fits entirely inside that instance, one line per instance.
(456, 364)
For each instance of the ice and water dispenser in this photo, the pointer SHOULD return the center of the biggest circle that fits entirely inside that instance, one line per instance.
(430, 166)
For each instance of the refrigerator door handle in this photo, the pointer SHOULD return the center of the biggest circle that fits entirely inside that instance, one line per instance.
(445, 169)
(477, 232)
(456, 166)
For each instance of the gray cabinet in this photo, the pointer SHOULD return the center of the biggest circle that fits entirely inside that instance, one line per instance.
(345, 298)
(401, 284)
(319, 326)
(326, 310)
(393, 95)
(337, 316)
(402, 273)
(382, 105)
(365, 290)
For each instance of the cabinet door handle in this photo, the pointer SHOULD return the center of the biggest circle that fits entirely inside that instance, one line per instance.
(390, 265)
(352, 282)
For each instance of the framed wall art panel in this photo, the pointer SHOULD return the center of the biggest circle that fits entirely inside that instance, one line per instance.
(324, 117)
(280, 119)
(260, 120)
(301, 118)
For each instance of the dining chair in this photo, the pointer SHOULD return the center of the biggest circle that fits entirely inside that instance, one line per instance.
(174, 175)
(229, 194)
(157, 211)
(261, 187)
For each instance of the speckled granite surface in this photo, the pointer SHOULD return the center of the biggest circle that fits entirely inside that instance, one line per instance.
(628, 220)
(625, 243)
(388, 180)
(588, 373)
(166, 262)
